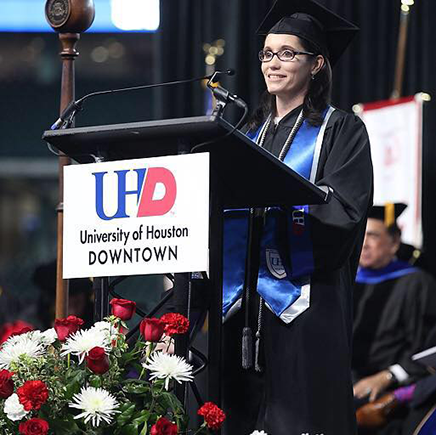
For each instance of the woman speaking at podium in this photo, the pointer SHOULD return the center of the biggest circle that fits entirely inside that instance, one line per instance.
(296, 313)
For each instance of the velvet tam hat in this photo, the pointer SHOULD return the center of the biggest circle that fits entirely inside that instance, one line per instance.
(309, 20)
(388, 213)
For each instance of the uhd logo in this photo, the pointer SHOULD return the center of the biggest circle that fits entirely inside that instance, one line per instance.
(147, 181)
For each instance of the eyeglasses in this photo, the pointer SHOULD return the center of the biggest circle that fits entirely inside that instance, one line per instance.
(286, 55)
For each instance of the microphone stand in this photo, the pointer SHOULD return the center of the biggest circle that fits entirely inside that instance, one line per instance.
(67, 116)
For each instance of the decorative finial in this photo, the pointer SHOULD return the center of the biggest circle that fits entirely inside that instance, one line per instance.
(70, 16)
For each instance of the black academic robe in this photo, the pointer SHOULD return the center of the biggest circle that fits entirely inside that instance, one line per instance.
(306, 386)
(424, 396)
(392, 320)
(423, 403)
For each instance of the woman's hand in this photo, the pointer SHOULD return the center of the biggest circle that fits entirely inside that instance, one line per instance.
(373, 385)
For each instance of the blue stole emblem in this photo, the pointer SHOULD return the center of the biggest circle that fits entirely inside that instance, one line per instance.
(286, 259)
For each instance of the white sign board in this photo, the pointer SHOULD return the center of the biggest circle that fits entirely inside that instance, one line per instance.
(136, 217)
(395, 131)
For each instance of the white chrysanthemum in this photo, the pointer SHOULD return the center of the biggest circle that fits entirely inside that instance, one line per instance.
(49, 336)
(18, 346)
(107, 328)
(15, 339)
(97, 404)
(258, 432)
(14, 409)
(83, 341)
(46, 338)
(165, 366)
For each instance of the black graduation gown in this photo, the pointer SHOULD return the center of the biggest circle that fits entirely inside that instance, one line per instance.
(424, 400)
(306, 386)
(424, 396)
(392, 320)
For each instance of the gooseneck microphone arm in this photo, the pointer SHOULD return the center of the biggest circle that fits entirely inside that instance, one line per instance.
(223, 96)
(68, 114)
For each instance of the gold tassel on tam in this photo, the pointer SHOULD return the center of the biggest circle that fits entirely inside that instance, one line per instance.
(389, 214)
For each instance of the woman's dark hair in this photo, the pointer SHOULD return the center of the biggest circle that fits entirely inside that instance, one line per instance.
(316, 101)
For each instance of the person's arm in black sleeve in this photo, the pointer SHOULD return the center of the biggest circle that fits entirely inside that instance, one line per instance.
(419, 316)
(346, 168)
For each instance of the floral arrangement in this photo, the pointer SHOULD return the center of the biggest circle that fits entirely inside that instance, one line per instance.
(67, 380)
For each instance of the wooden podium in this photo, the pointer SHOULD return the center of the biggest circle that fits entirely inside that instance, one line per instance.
(242, 175)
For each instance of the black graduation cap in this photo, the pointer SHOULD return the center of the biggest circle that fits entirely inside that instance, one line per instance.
(309, 20)
(388, 213)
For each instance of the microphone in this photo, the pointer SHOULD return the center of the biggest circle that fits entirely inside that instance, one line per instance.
(222, 95)
(69, 112)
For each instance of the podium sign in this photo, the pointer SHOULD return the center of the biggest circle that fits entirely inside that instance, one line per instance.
(136, 217)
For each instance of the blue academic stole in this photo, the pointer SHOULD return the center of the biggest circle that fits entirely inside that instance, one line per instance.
(286, 259)
(395, 269)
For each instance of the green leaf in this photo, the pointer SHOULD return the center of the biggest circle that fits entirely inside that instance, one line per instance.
(95, 381)
(125, 406)
(64, 427)
(130, 429)
(141, 417)
(126, 413)
(172, 401)
(71, 389)
(144, 429)
(135, 386)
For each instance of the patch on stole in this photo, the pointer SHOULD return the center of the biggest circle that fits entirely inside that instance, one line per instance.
(274, 263)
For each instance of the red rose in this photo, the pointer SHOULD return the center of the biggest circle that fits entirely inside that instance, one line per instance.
(34, 426)
(213, 416)
(14, 328)
(123, 308)
(6, 384)
(68, 326)
(175, 323)
(164, 427)
(97, 360)
(33, 394)
(152, 329)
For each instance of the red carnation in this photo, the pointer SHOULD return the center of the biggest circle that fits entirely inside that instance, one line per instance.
(213, 416)
(123, 308)
(164, 427)
(152, 329)
(97, 360)
(6, 384)
(175, 323)
(68, 326)
(34, 426)
(33, 394)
